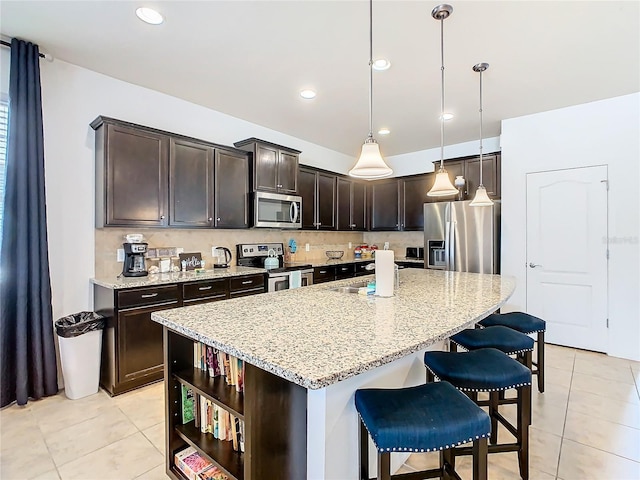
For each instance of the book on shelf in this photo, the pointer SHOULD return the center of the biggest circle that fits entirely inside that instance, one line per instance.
(195, 467)
(209, 417)
(188, 413)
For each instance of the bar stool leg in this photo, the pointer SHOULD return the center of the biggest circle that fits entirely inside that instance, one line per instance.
(430, 377)
(524, 420)
(363, 447)
(480, 451)
(384, 466)
(447, 457)
(493, 409)
(540, 362)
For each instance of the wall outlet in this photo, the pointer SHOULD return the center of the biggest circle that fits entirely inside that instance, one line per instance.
(306, 247)
(120, 255)
(386, 245)
(350, 247)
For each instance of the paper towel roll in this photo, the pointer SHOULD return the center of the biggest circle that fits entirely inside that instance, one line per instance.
(385, 271)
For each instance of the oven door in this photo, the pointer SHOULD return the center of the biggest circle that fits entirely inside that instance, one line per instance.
(277, 282)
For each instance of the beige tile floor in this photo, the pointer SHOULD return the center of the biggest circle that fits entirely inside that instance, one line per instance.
(585, 426)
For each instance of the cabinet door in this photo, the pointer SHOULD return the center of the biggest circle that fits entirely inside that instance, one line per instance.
(307, 190)
(287, 173)
(266, 165)
(326, 201)
(190, 184)
(384, 206)
(489, 175)
(358, 206)
(343, 204)
(137, 177)
(231, 190)
(414, 196)
(139, 344)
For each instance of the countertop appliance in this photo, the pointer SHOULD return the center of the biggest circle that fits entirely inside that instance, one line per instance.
(462, 238)
(134, 264)
(221, 257)
(280, 277)
(275, 210)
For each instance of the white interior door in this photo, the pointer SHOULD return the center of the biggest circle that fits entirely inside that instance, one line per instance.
(567, 255)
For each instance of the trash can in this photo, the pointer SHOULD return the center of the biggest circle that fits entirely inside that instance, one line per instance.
(80, 337)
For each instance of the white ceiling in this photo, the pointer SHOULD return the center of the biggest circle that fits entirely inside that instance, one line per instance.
(250, 59)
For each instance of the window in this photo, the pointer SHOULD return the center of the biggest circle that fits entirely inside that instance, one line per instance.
(4, 119)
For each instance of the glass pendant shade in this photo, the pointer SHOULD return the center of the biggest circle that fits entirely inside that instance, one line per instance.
(370, 164)
(442, 186)
(481, 199)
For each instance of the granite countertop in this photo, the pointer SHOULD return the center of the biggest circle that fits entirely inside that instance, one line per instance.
(178, 277)
(315, 337)
(349, 259)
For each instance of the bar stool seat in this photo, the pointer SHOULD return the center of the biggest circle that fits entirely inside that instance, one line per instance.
(504, 339)
(433, 417)
(493, 371)
(526, 324)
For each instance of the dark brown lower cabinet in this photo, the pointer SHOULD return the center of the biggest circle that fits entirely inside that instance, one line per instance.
(273, 409)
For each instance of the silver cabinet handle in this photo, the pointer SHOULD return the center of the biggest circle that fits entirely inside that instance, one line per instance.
(149, 295)
(533, 265)
(210, 218)
(205, 288)
(161, 217)
(218, 219)
(322, 271)
(247, 282)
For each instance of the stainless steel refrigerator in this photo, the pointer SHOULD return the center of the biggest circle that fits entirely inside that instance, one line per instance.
(462, 238)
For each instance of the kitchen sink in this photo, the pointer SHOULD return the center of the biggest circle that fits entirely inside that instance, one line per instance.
(352, 288)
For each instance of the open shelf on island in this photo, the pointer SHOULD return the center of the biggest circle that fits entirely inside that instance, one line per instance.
(215, 389)
(219, 452)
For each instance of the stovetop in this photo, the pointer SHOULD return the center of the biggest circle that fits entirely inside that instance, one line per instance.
(254, 255)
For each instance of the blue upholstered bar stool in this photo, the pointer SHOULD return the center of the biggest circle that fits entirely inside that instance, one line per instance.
(489, 370)
(505, 339)
(527, 324)
(433, 417)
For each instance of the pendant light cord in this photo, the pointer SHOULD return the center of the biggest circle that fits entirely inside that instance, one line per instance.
(442, 94)
(481, 184)
(370, 68)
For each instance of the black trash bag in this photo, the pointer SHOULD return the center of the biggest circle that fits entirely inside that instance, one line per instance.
(79, 323)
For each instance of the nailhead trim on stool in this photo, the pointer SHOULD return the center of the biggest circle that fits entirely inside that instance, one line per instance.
(527, 324)
(433, 417)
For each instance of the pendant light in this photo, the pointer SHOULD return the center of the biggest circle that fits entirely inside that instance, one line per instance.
(481, 199)
(442, 187)
(370, 165)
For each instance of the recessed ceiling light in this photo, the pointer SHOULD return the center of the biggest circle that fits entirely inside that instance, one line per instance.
(447, 116)
(149, 15)
(384, 131)
(308, 94)
(381, 64)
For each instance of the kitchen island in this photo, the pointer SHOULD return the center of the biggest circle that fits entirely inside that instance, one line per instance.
(306, 352)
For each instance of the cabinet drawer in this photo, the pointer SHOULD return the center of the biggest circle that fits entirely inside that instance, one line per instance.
(140, 297)
(207, 288)
(247, 282)
(345, 271)
(324, 274)
(246, 293)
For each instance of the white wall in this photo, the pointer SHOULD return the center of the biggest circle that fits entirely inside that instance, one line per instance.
(72, 98)
(606, 132)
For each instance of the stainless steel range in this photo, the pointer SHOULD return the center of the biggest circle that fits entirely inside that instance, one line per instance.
(280, 276)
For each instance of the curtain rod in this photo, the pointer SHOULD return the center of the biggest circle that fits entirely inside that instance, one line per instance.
(7, 44)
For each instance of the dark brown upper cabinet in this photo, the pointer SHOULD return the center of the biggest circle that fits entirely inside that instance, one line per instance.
(385, 205)
(151, 178)
(190, 184)
(275, 168)
(131, 175)
(231, 189)
(318, 192)
(413, 191)
(351, 205)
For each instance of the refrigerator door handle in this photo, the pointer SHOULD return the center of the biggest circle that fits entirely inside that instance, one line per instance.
(447, 249)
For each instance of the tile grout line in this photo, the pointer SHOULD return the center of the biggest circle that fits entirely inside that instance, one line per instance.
(566, 414)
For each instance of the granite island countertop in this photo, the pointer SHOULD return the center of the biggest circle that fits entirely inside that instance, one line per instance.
(315, 337)
(350, 259)
(173, 277)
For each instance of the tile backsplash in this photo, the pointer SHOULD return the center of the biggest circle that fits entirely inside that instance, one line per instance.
(108, 240)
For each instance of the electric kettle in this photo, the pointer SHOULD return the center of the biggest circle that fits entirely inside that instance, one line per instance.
(272, 260)
(221, 257)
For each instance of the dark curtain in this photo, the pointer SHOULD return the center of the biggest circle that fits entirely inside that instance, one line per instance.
(27, 352)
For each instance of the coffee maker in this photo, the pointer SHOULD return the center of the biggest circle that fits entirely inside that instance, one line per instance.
(134, 265)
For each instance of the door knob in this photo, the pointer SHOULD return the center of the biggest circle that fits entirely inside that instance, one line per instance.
(533, 265)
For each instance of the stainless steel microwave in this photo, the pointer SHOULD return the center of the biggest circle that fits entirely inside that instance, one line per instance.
(275, 210)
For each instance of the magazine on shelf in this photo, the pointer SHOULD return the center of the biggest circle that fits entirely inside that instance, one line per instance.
(187, 404)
